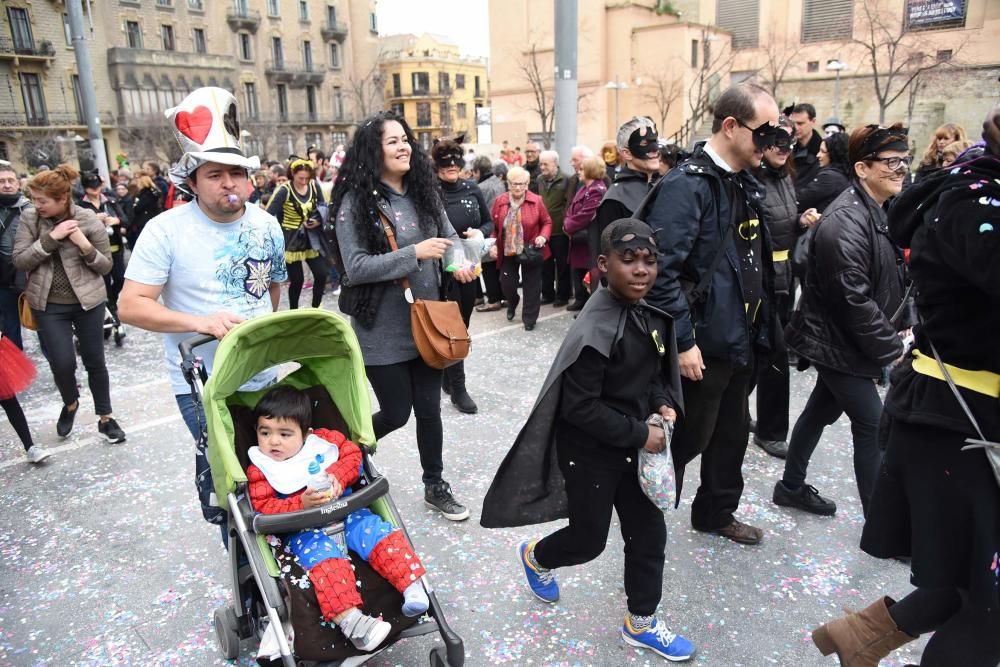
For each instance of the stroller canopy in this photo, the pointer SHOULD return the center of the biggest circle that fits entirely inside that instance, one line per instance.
(327, 349)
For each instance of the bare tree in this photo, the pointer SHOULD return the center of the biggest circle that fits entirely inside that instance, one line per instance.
(706, 87)
(150, 138)
(894, 55)
(780, 55)
(543, 102)
(663, 91)
(365, 92)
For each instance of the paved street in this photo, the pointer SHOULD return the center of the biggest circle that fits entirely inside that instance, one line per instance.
(106, 561)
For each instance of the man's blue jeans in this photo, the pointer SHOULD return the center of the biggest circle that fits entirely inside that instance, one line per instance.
(194, 419)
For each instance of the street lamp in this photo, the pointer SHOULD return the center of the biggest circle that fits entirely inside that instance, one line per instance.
(837, 66)
(616, 86)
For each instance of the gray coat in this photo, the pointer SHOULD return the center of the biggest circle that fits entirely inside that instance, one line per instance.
(9, 277)
(390, 339)
(85, 273)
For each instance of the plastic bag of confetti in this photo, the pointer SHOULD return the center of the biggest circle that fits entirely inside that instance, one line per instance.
(656, 471)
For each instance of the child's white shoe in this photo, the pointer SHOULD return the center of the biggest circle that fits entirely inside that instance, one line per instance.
(365, 632)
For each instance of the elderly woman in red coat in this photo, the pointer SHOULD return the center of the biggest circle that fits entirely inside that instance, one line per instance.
(578, 218)
(522, 228)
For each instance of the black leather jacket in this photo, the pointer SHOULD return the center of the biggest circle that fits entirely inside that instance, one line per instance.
(854, 286)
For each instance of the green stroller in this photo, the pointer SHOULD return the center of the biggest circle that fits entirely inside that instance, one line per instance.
(328, 366)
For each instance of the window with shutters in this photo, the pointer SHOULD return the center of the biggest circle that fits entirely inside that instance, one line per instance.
(742, 18)
(824, 20)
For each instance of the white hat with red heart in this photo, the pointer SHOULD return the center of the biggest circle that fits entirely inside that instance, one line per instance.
(206, 126)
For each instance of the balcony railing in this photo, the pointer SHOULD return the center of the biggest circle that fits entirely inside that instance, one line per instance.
(334, 30)
(11, 49)
(11, 119)
(296, 75)
(298, 117)
(243, 19)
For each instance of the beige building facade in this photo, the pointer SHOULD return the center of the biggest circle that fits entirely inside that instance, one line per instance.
(304, 72)
(668, 60)
(301, 69)
(41, 116)
(430, 83)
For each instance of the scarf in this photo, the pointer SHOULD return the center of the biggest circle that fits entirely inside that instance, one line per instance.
(513, 231)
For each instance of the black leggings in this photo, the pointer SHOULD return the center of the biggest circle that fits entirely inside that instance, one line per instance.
(405, 387)
(296, 277)
(963, 635)
(15, 415)
(56, 326)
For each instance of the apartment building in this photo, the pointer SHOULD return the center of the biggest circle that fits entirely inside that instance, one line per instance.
(302, 70)
(430, 83)
(41, 115)
(668, 59)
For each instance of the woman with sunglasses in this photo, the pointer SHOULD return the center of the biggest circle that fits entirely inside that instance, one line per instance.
(777, 174)
(296, 204)
(849, 323)
(467, 212)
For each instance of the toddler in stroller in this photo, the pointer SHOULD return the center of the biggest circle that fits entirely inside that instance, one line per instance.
(279, 479)
(274, 601)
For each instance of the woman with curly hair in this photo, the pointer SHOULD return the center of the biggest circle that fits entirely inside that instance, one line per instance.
(385, 174)
(948, 133)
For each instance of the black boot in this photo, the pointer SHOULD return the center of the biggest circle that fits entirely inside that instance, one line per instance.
(459, 396)
(446, 382)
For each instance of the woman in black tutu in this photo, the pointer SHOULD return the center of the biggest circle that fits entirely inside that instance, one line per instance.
(935, 502)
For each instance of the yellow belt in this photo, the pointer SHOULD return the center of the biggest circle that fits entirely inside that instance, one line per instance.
(780, 256)
(982, 382)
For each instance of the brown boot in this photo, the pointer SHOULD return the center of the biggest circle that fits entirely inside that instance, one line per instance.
(862, 639)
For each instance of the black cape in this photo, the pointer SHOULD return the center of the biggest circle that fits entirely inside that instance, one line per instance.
(529, 488)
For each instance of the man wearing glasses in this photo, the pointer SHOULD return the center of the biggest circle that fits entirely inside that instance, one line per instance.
(12, 204)
(716, 280)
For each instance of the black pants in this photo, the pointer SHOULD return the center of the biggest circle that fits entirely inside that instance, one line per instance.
(296, 278)
(465, 295)
(11, 316)
(580, 293)
(56, 325)
(15, 415)
(592, 491)
(774, 386)
(114, 280)
(491, 278)
(834, 394)
(405, 387)
(716, 423)
(963, 635)
(531, 286)
(556, 276)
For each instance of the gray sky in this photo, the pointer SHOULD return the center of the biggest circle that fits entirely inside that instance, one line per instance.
(462, 21)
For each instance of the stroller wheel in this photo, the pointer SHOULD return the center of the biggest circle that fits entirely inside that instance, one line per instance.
(439, 658)
(227, 632)
(119, 338)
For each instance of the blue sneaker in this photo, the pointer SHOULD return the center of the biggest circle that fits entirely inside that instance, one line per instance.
(542, 583)
(659, 639)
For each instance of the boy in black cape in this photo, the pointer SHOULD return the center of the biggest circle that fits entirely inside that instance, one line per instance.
(577, 455)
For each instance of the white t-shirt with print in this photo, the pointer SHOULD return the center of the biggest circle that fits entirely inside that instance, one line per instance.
(206, 267)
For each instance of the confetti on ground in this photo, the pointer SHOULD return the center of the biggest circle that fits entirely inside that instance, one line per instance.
(105, 560)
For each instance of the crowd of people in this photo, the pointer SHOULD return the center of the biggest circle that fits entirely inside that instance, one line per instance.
(771, 246)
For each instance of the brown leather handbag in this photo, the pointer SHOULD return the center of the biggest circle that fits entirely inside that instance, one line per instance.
(441, 336)
(24, 310)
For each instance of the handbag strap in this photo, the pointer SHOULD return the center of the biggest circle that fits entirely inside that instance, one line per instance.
(390, 234)
(973, 443)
